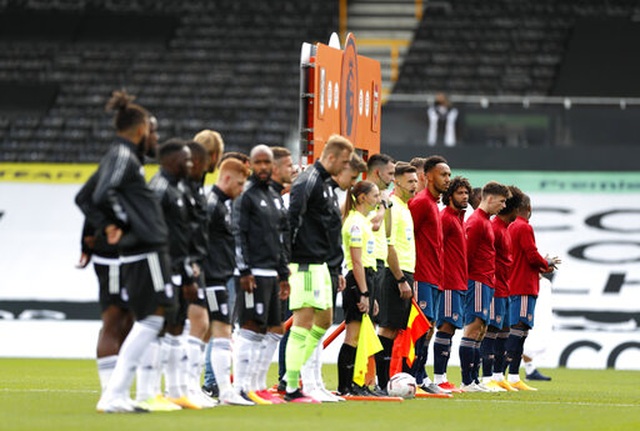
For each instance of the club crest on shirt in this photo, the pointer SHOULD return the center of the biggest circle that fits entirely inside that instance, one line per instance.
(260, 308)
(498, 319)
(455, 317)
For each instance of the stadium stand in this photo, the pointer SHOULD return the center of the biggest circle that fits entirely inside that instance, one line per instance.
(497, 47)
(226, 65)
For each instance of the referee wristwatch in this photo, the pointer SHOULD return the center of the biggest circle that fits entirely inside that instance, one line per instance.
(401, 279)
(366, 293)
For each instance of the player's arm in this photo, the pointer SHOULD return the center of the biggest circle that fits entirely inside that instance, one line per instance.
(528, 244)
(240, 227)
(361, 279)
(111, 176)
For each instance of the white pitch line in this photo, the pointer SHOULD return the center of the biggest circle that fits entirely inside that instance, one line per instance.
(571, 403)
(69, 391)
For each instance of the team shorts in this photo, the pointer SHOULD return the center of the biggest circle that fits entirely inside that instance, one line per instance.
(522, 309)
(177, 316)
(109, 280)
(217, 299)
(351, 296)
(310, 286)
(477, 302)
(451, 308)
(146, 278)
(428, 298)
(394, 311)
(263, 305)
(201, 300)
(499, 313)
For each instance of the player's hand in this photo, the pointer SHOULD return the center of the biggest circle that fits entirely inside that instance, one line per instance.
(190, 291)
(342, 283)
(363, 304)
(285, 290)
(84, 261)
(248, 283)
(405, 290)
(114, 234)
(89, 241)
(553, 262)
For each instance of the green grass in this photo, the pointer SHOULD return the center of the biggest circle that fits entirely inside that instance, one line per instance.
(47, 394)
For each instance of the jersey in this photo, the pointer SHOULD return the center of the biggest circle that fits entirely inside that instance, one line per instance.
(455, 274)
(428, 234)
(357, 233)
(401, 236)
(527, 262)
(502, 244)
(481, 253)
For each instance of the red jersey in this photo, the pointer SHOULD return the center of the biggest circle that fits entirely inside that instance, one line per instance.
(527, 262)
(427, 229)
(481, 254)
(455, 275)
(504, 260)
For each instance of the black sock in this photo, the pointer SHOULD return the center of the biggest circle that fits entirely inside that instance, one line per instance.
(346, 360)
(383, 361)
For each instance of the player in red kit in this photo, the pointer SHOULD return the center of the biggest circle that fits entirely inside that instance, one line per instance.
(428, 275)
(450, 313)
(524, 285)
(481, 256)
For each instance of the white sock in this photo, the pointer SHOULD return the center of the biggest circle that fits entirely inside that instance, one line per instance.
(317, 366)
(514, 378)
(498, 377)
(172, 372)
(256, 354)
(195, 352)
(486, 379)
(106, 366)
(439, 378)
(529, 367)
(221, 362)
(242, 358)
(308, 373)
(141, 335)
(147, 372)
(269, 346)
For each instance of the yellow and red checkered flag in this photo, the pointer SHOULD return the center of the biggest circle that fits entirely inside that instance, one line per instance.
(404, 344)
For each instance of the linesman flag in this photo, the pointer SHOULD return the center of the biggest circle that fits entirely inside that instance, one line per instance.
(368, 345)
(404, 344)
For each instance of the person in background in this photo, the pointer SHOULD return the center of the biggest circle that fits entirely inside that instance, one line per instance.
(442, 118)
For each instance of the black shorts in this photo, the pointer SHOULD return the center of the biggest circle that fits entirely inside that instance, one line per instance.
(147, 281)
(263, 305)
(217, 299)
(351, 296)
(110, 283)
(201, 300)
(177, 314)
(394, 311)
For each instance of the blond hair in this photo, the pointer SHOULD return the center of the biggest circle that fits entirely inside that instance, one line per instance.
(211, 140)
(335, 145)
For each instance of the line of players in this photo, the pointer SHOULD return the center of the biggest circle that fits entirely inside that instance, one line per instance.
(165, 252)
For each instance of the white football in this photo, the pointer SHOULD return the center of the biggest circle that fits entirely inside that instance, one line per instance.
(402, 385)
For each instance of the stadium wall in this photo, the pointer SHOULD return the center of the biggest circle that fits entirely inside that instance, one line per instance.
(591, 220)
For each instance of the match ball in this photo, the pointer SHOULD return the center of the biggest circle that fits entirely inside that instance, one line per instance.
(402, 385)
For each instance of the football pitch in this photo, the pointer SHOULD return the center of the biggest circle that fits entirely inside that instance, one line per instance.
(53, 394)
